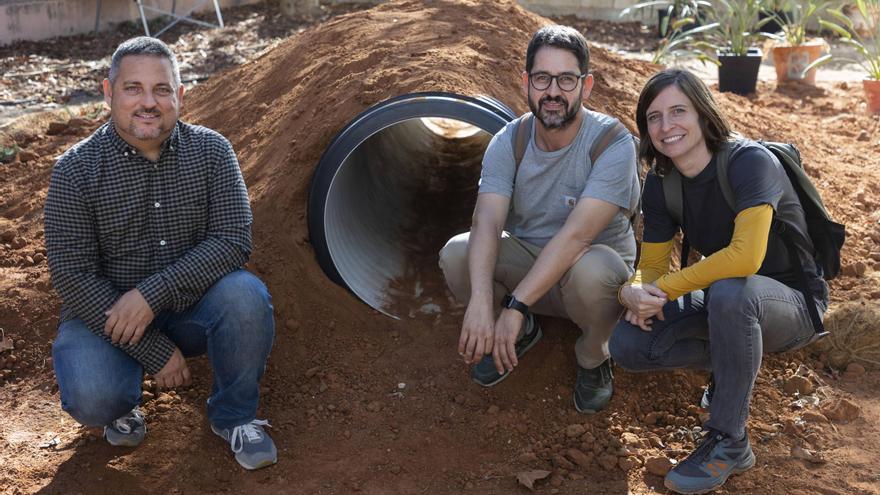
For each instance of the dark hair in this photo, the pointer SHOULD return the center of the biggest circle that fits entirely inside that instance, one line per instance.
(716, 130)
(143, 45)
(564, 37)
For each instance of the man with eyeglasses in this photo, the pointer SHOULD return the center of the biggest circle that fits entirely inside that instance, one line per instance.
(551, 230)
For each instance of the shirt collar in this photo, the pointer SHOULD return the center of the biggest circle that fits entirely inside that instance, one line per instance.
(116, 140)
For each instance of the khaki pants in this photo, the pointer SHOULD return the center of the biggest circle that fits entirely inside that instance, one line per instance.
(586, 294)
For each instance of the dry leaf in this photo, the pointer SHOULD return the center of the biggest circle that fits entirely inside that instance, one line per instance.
(528, 478)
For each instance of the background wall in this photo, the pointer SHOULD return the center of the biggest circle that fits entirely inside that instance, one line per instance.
(41, 19)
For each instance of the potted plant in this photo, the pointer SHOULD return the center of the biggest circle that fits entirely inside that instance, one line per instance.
(669, 12)
(796, 51)
(866, 41)
(775, 9)
(733, 39)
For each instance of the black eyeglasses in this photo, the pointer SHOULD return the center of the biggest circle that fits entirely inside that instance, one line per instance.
(566, 82)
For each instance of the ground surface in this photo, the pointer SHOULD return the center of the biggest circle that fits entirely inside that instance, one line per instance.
(332, 392)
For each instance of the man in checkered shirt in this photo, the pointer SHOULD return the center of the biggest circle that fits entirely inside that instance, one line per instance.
(147, 228)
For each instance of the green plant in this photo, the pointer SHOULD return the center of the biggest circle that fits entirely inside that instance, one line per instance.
(676, 11)
(796, 19)
(680, 43)
(735, 26)
(866, 42)
(7, 153)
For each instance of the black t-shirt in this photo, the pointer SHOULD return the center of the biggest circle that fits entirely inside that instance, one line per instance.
(756, 177)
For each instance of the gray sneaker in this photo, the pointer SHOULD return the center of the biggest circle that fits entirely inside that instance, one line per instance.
(251, 444)
(128, 430)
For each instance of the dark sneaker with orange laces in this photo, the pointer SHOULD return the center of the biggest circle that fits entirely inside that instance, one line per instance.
(709, 466)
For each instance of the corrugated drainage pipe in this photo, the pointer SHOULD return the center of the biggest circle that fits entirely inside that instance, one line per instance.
(396, 181)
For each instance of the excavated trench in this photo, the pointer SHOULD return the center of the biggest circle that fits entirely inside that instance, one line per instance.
(394, 184)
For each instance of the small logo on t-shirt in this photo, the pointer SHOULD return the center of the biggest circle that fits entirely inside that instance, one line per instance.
(570, 201)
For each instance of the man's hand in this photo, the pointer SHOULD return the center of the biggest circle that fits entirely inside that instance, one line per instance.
(175, 373)
(506, 331)
(128, 318)
(477, 332)
(642, 304)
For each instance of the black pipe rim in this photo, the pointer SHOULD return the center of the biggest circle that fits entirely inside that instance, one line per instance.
(485, 112)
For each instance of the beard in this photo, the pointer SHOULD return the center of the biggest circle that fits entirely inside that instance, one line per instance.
(556, 120)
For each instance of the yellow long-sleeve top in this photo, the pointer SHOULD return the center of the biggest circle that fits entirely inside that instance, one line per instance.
(741, 258)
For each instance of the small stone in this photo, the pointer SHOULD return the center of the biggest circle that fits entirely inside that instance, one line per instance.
(651, 418)
(8, 235)
(607, 461)
(25, 156)
(38, 258)
(56, 128)
(561, 462)
(493, 409)
(578, 457)
(813, 457)
(165, 398)
(19, 344)
(312, 371)
(292, 325)
(147, 396)
(459, 399)
(798, 384)
(814, 417)
(527, 458)
(163, 407)
(77, 122)
(574, 430)
(374, 406)
(658, 465)
(628, 463)
(556, 480)
(840, 410)
(630, 439)
(855, 369)
(395, 469)
(863, 135)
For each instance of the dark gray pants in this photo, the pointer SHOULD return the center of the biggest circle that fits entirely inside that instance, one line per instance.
(725, 331)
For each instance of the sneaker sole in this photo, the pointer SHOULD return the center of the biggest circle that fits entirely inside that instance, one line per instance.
(505, 375)
(749, 464)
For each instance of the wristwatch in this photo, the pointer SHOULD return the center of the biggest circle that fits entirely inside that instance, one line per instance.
(511, 302)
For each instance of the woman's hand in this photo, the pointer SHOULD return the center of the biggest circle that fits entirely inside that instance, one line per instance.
(643, 302)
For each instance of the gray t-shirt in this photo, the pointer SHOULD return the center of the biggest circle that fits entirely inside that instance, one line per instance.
(549, 184)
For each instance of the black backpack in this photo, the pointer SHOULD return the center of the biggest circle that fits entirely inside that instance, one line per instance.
(826, 235)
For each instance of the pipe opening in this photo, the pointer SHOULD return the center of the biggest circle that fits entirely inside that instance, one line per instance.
(393, 194)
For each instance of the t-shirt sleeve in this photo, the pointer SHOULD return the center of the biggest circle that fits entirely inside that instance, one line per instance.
(612, 176)
(659, 224)
(755, 179)
(499, 167)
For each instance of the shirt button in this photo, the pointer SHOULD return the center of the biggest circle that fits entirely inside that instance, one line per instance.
(126, 153)
(161, 243)
(156, 204)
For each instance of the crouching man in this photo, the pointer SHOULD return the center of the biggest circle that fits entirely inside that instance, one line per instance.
(147, 227)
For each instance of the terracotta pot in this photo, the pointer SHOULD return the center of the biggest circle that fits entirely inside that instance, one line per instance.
(790, 62)
(872, 92)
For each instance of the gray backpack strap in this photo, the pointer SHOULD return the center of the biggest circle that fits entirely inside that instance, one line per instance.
(520, 139)
(608, 136)
(672, 194)
(722, 167)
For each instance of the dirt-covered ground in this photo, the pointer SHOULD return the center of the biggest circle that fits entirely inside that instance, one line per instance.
(332, 392)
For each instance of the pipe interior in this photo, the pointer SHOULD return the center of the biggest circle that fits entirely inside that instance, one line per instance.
(392, 205)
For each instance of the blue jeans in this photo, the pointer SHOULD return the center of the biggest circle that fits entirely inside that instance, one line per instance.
(725, 330)
(233, 323)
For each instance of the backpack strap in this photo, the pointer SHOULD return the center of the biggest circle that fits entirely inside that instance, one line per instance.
(605, 138)
(520, 139)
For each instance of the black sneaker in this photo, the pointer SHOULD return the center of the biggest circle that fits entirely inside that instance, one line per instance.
(484, 372)
(593, 388)
(709, 466)
(708, 392)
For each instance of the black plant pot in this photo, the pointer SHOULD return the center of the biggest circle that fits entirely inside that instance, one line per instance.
(739, 73)
(773, 26)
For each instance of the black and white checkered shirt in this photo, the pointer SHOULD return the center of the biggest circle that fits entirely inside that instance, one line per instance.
(171, 228)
